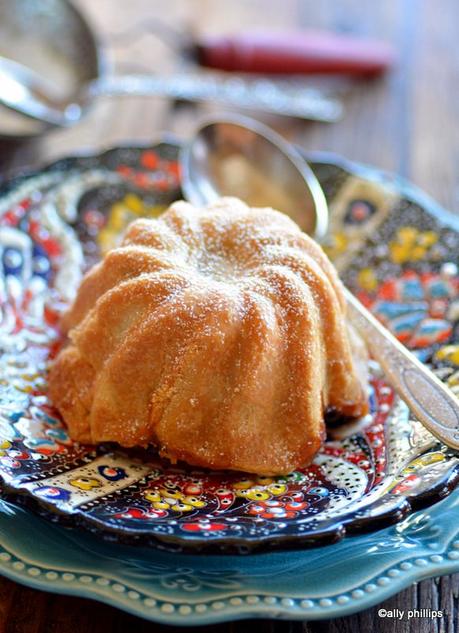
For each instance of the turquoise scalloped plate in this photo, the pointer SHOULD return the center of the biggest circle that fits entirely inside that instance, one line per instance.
(182, 589)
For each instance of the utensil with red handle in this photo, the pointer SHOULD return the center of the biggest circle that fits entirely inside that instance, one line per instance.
(297, 52)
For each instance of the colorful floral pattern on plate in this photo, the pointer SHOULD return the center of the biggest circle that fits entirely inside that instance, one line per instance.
(56, 223)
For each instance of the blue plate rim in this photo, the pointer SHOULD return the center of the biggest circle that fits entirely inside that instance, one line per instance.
(388, 580)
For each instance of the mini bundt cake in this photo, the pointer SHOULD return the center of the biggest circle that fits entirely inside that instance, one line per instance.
(217, 335)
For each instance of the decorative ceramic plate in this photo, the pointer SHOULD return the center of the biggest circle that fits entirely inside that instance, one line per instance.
(186, 589)
(394, 250)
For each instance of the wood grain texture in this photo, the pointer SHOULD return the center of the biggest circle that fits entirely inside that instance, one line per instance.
(406, 123)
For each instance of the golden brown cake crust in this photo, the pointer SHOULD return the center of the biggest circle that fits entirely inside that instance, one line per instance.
(217, 334)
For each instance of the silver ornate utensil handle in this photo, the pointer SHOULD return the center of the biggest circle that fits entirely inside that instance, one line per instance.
(431, 402)
(281, 97)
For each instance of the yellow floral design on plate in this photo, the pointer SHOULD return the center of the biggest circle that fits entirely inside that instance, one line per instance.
(337, 245)
(411, 245)
(449, 353)
(164, 499)
(367, 279)
(121, 214)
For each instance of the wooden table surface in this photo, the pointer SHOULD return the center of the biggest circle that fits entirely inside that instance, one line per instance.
(406, 123)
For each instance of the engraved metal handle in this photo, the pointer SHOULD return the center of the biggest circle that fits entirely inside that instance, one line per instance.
(281, 97)
(431, 402)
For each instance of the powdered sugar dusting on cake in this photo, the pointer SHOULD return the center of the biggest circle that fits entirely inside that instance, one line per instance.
(216, 333)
